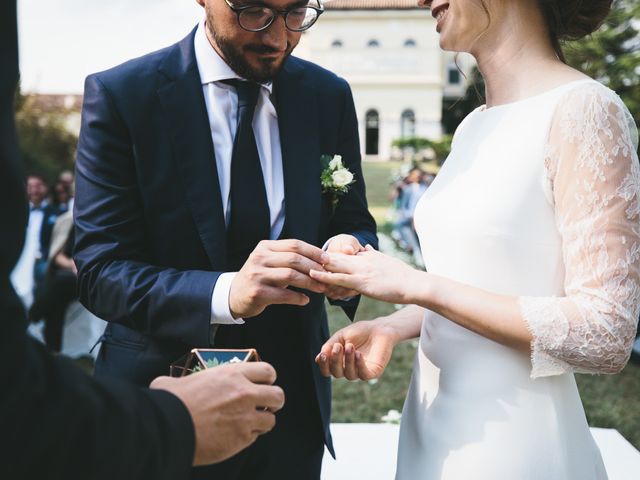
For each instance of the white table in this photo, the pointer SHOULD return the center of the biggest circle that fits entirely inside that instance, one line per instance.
(368, 451)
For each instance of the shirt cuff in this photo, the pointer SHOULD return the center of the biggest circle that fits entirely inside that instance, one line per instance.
(325, 247)
(220, 312)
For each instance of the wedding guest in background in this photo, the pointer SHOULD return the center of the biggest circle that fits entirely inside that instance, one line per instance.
(61, 196)
(412, 190)
(59, 286)
(58, 423)
(30, 268)
(67, 177)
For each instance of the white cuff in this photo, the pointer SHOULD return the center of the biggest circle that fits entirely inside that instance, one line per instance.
(325, 247)
(220, 312)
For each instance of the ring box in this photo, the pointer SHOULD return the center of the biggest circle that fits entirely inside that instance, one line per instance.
(203, 358)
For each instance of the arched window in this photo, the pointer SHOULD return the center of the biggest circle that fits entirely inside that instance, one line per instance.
(336, 43)
(410, 42)
(373, 43)
(408, 124)
(372, 133)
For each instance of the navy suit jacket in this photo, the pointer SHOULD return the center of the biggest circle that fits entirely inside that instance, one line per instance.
(150, 241)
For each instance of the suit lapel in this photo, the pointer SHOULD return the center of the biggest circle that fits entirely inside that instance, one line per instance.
(186, 114)
(298, 125)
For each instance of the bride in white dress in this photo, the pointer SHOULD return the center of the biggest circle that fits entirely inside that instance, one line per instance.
(531, 239)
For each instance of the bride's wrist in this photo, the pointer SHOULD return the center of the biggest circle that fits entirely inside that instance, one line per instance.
(419, 289)
(391, 329)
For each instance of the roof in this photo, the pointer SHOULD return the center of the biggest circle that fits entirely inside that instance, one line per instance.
(371, 5)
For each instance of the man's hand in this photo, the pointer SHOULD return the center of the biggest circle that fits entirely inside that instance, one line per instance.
(230, 406)
(348, 245)
(272, 267)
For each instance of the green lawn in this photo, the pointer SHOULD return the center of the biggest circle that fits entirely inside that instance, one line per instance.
(611, 401)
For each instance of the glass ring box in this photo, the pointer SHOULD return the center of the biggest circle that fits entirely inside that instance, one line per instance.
(202, 358)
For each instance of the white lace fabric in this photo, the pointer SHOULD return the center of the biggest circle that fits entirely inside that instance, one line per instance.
(594, 177)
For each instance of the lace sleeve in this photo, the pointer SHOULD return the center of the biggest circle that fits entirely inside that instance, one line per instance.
(593, 170)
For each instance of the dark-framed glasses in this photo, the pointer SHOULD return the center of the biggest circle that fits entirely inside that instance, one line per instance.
(255, 18)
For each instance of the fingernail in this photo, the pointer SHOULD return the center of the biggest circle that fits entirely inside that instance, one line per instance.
(358, 355)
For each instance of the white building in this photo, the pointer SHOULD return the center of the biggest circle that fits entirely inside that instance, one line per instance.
(388, 51)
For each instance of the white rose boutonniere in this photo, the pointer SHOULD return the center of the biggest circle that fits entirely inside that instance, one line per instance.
(335, 178)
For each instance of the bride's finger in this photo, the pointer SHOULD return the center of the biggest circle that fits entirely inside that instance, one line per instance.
(336, 361)
(338, 279)
(350, 372)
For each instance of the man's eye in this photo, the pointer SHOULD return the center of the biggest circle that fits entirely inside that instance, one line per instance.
(256, 12)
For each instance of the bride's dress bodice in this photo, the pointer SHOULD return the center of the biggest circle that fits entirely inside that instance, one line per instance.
(539, 199)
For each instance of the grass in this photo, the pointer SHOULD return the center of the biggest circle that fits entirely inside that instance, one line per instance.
(610, 401)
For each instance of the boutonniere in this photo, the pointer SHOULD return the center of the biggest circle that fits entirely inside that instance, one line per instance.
(335, 178)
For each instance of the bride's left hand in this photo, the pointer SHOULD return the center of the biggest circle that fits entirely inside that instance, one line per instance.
(371, 273)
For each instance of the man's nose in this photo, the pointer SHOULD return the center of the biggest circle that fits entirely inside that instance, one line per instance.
(276, 35)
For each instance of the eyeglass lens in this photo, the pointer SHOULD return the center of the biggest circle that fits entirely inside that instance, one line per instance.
(256, 18)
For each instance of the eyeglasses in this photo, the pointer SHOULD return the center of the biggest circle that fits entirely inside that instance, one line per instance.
(255, 18)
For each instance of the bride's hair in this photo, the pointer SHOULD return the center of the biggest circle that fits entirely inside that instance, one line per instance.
(573, 19)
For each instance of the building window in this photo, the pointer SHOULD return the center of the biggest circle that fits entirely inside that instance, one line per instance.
(410, 42)
(453, 74)
(408, 124)
(372, 132)
(373, 43)
(336, 43)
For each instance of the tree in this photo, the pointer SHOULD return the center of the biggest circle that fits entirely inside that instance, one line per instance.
(47, 146)
(612, 54)
(455, 109)
(438, 149)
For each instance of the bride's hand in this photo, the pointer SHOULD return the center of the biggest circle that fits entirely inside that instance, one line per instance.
(373, 274)
(359, 351)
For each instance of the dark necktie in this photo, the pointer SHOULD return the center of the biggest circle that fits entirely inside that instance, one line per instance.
(249, 220)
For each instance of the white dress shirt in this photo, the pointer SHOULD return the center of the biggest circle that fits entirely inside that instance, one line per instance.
(222, 101)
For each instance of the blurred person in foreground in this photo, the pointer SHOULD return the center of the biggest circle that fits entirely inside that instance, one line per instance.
(56, 422)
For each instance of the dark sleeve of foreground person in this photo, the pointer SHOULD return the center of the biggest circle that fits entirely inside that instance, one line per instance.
(55, 421)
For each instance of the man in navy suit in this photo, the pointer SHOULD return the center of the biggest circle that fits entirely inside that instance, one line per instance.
(199, 213)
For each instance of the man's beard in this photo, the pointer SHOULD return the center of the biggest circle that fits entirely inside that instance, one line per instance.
(236, 59)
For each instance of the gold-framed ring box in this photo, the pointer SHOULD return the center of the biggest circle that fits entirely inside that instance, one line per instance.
(203, 358)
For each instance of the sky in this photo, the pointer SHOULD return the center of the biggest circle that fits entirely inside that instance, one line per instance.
(63, 41)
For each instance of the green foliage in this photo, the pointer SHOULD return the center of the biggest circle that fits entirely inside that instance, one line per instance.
(612, 54)
(46, 144)
(441, 148)
(455, 110)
